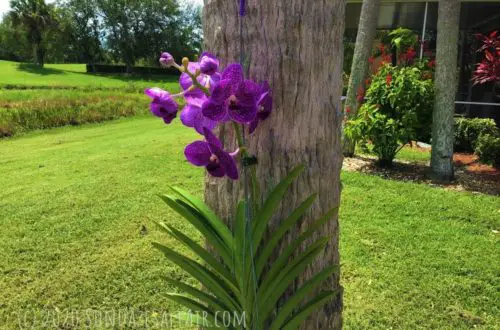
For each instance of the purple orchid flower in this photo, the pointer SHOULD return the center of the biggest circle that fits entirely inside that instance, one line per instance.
(192, 116)
(232, 97)
(265, 106)
(210, 154)
(163, 105)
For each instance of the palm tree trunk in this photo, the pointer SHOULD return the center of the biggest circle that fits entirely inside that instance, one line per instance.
(297, 46)
(359, 69)
(445, 90)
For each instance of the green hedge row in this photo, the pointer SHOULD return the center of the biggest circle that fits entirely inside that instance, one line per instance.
(42, 114)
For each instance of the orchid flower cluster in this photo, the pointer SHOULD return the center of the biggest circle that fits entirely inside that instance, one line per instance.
(212, 98)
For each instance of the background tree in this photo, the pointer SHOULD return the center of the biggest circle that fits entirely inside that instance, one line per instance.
(445, 89)
(297, 46)
(359, 70)
(15, 45)
(86, 30)
(139, 29)
(36, 18)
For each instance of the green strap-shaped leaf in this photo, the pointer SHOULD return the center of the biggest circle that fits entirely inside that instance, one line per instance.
(274, 286)
(282, 260)
(203, 254)
(203, 208)
(243, 258)
(284, 226)
(309, 308)
(201, 224)
(207, 278)
(265, 214)
(213, 303)
(300, 295)
(239, 238)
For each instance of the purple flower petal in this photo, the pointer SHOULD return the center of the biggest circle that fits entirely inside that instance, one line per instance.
(212, 139)
(203, 122)
(167, 59)
(214, 111)
(215, 169)
(189, 115)
(168, 118)
(226, 161)
(209, 64)
(192, 116)
(265, 102)
(154, 92)
(198, 153)
(233, 73)
(253, 125)
(214, 108)
(243, 107)
(163, 105)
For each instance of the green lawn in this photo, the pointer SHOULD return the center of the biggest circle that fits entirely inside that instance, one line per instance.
(77, 206)
(24, 75)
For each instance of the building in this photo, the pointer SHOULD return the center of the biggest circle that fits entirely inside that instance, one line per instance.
(476, 17)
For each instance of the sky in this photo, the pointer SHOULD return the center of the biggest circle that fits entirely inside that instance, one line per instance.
(4, 4)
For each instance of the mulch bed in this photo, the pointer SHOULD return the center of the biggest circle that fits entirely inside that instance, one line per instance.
(470, 174)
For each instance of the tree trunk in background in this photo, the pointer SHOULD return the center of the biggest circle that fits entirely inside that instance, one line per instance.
(39, 54)
(359, 69)
(445, 90)
(297, 46)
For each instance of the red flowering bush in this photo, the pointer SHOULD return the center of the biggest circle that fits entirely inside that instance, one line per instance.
(488, 70)
(397, 109)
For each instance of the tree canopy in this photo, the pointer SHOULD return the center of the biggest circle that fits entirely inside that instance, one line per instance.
(95, 31)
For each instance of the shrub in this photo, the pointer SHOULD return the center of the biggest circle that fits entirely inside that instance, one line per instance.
(398, 109)
(488, 149)
(122, 69)
(74, 109)
(468, 131)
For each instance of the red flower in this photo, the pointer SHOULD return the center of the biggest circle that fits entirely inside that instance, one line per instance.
(381, 47)
(410, 54)
(347, 109)
(371, 60)
(431, 64)
(367, 81)
(386, 59)
(388, 79)
(361, 94)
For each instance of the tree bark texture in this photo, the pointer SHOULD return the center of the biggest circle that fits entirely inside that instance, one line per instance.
(297, 46)
(445, 90)
(359, 69)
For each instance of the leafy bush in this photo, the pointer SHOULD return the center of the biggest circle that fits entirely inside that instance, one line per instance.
(488, 149)
(398, 109)
(468, 131)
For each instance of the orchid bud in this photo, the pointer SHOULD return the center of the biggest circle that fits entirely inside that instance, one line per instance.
(185, 63)
(166, 59)
(209, 64)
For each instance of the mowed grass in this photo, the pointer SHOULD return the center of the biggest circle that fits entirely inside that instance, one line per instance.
(24, 75)
(63, 94)
(77, 207)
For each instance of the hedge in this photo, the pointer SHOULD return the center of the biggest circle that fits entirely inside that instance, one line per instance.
(122, 69)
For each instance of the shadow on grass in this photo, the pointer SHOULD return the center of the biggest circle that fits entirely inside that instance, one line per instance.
(35, 69)
(418, 172)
